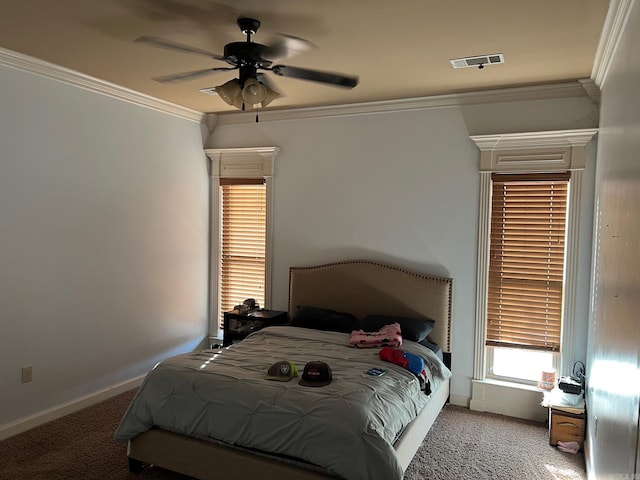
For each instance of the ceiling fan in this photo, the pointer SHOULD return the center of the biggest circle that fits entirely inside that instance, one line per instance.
(250, 59)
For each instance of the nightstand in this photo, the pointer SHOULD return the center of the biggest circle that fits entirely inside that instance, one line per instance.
(237, 326)
(566, 426)
(566, 416)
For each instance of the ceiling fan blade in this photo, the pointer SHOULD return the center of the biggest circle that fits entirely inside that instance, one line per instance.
(337, 79)
(171, 45)
(287, 46)
(262, 78)
(181, 77)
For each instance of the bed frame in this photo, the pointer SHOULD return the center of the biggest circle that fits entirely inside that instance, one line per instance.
(359, 287)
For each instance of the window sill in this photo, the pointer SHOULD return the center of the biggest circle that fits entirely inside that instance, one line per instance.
(507, 384)
(508, 398)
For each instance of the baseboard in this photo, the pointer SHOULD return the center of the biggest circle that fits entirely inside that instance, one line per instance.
(588, 458)
(459, 400)
(45, 416)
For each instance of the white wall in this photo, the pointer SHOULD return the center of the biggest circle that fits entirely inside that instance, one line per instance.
(103, 241)
(104, 222)
(399, 187)
(613, 370)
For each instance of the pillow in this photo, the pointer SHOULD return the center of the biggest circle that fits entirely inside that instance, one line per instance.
(427, 342)
(414, 329)
(323, 319)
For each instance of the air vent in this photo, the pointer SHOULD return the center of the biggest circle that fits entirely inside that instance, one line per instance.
(479, 61)
(209, 91)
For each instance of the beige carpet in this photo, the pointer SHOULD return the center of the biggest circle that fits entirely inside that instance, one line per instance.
(484, 446)
(461, 445)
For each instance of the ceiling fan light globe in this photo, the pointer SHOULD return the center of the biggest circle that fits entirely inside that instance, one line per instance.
(239, 103)
(269, 97)
(231, 93)
(254, 92)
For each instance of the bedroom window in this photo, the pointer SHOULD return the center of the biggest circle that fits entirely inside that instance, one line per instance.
(530, 191)
(526, 273)
(241, 204)
(243, 242)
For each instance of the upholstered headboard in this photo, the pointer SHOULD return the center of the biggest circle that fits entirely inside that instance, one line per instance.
(364, 288)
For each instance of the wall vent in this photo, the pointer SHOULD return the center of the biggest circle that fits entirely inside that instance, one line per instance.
(209, 91)
(479, 61)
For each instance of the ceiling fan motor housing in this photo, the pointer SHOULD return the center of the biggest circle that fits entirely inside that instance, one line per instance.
(245, 53)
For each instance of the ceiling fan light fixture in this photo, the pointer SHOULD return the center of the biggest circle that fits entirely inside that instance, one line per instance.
(231, 93)
(270, 97)
(253, 91)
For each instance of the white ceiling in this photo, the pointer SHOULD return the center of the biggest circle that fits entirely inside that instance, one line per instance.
(399, 49)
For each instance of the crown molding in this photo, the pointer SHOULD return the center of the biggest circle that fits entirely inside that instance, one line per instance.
(539, 92)
(29, 64)
(592, 90)
(612, 30)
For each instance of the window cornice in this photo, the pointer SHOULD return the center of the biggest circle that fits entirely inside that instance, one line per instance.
(242, 162)
(533, 151)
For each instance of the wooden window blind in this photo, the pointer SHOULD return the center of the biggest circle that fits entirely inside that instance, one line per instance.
(526, 262)
(243, 242)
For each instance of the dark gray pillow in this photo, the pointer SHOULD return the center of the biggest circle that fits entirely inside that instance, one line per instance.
(324, 319)
(414, 329)
(432, 346)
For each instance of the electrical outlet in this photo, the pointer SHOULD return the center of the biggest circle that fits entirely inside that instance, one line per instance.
(27, 374)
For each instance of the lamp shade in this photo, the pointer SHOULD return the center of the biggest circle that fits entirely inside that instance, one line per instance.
(253, 92)
(231, 93)
(269, 97)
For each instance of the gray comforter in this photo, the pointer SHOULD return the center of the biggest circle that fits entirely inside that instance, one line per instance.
(347, 427)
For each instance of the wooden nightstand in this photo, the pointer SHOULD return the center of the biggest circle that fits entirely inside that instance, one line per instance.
(565, 426)
(237, 326)
(566, 416)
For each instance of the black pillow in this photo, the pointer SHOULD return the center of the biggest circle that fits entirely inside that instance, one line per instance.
(324, 319)
(414, 329)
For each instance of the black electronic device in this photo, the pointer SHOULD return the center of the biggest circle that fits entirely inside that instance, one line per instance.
(251, 303)
(570, 385)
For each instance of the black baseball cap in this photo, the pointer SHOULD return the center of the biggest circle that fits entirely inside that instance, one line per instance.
(316, 374)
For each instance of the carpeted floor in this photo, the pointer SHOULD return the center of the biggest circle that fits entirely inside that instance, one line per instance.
(485, 446)
(78, 446)
(461, 445)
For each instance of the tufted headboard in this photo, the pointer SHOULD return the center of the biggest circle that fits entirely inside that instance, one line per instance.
(362, 287)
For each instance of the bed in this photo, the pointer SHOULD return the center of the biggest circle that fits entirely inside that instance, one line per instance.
(219, 434)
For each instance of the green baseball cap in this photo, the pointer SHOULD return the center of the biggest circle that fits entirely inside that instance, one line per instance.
(282, 371)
